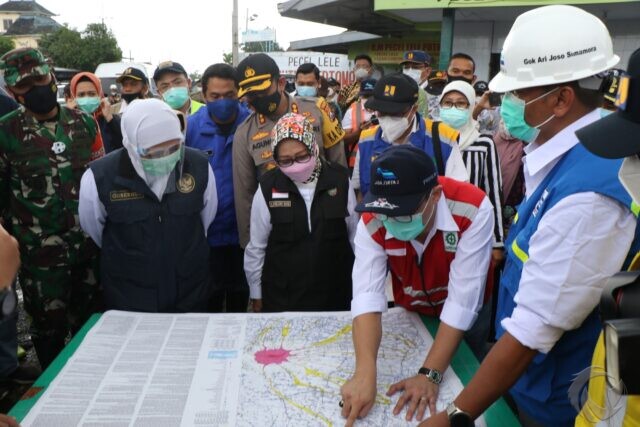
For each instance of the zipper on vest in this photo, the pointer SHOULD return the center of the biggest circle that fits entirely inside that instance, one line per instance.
(159, 218)
(424, 288)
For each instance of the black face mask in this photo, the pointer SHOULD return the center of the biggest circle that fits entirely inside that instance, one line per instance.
(41, 99)
(130, 97)
(460, 78)
(267, 104)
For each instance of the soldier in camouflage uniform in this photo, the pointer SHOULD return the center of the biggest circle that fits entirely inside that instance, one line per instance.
(44, 150)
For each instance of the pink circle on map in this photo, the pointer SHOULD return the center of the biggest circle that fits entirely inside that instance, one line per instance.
(272, 356)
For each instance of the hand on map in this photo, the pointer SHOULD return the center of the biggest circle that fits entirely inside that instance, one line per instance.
(7, 421)
(358, 395)
(419, 393)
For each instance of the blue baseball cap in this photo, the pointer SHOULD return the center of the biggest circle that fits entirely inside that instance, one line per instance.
(366, 86)
(401, 177)
(416, 56)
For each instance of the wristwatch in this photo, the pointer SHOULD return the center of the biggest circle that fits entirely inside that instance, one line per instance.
(432, 375)
(457, 417)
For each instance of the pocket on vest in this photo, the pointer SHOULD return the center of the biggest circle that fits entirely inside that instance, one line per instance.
(335, 225)
(283, 229)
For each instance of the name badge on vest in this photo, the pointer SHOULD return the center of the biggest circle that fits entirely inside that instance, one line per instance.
(279, 203)
(450, 241)
(124, 195)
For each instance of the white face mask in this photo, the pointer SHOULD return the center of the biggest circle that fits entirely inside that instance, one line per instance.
(629, 176)
(361, 74)
(414, 74)
(394, 127)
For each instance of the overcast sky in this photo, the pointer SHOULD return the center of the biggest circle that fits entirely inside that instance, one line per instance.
(192, 32)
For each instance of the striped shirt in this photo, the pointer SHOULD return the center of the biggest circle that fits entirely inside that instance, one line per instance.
(481, 160)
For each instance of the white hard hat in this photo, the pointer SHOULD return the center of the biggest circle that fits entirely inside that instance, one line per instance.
(112, 87)
(553, 44)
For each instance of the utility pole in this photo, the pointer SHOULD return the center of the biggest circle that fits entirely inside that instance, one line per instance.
(234, 34)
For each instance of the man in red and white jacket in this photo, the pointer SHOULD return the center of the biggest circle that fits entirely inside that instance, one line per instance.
(435, 235)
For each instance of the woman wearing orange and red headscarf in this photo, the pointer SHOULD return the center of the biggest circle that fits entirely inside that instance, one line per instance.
(87, 95)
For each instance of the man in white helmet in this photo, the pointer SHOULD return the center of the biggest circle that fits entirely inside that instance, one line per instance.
(572, 231)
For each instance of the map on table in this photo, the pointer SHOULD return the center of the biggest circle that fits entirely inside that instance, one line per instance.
(283, 369)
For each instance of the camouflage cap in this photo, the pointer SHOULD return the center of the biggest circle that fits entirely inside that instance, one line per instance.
(18, 64)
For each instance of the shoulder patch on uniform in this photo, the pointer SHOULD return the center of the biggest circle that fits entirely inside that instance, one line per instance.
(450, 241)
(124, 195)
(186, 184)
(259, 136)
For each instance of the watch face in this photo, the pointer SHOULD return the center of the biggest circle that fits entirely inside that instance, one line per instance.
(460, 419)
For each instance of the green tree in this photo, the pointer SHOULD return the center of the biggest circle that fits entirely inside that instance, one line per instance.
(62, 46)
(227, 58)
(6, 44)
(195, 76)
(267, 46)
(99, 45)
(83, 51)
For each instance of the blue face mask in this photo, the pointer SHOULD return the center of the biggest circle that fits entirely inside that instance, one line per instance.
(223, 110)
(306, 90)
(88, 104)
(406, 231)
(512, 112)
(176, 97)
(454, 117)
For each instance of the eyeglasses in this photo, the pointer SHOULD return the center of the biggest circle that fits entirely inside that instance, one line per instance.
(403, 219)
(288, 161)
(460, 105)
(157, 153)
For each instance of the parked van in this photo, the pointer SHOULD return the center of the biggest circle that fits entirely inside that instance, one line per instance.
(108, 72)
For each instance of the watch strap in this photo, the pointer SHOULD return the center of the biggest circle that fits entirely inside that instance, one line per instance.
(432, 375)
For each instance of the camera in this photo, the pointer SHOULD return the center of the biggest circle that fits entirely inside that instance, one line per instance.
(620, 311)
(495, 99)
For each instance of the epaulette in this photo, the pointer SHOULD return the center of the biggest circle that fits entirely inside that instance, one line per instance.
(13, 114)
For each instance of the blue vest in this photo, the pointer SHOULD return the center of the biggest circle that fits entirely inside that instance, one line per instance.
(204, 134)
(542, 390)
(371, 147)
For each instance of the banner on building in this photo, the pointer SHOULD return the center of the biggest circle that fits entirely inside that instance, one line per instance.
(391, 51)
(331, 65)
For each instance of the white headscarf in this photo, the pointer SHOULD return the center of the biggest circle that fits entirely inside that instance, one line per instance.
(469, 131)
(146, 123)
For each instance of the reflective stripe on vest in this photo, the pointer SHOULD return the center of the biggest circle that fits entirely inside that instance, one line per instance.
(518, 252)
(463, 209)
(356, 115)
